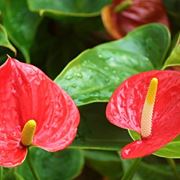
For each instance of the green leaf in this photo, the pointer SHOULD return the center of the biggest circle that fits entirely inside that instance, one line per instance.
(171, 150)
(80, 8)
(96, 73)
(151, 41)
(63, 165)
(20, 24)
(70, 39)
(174, 58)
(150, 170)
(93, 76)
(4, 42)
(12, 175)
(107, 163)
(95, 132)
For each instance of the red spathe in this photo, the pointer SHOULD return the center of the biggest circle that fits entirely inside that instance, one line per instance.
(27, 93)
(125, 108)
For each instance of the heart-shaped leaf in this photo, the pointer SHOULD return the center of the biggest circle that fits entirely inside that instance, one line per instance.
(64, 165)
(171, 150)
(151, 41)
(94, 74)
(81, 8)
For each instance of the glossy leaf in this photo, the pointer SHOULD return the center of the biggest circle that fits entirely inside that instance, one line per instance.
(94, 74)
(4, 41)
(21, 25)
(94, 131)
(170, 150)
(174, 58)
(151, 40)
(82, 8)
(63, 165)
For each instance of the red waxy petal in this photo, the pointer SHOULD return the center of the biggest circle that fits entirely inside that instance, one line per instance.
(11, 152)
(125, 109)
(54, 111)
(27, 93)
(60, 126)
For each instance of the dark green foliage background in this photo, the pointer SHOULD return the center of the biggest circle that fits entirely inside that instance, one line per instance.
(51, 34)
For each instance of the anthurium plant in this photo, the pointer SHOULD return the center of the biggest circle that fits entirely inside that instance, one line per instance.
(89, 90)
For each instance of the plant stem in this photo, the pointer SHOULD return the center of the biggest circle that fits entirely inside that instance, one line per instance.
(132, 169)
(172, 164)
(1, 173)
(33, 170)
(123, 6)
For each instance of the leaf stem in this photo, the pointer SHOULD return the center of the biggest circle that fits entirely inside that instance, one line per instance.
(1, 173)
(132, 169)
(33, 170)
(172, 164)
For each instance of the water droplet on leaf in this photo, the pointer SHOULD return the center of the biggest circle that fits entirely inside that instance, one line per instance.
(79, 75)
(69, 77)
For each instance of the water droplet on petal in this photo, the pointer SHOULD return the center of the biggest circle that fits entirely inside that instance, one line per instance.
(47, 126)
(127, 151)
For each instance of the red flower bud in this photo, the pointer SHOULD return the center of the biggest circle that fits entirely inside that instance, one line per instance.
(123, 16)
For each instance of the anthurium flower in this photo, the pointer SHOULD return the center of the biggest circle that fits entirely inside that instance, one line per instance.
(148, 103)
(123, 16)
(34, 111)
